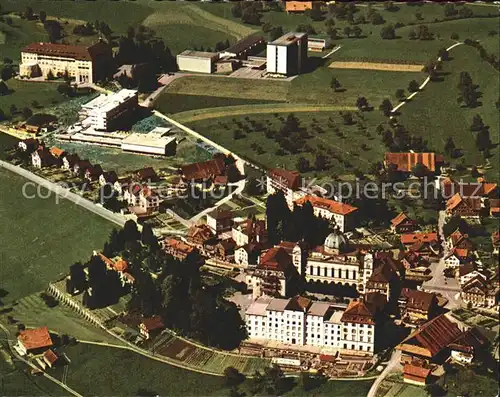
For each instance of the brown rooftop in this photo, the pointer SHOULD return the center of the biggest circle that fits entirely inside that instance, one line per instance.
(67, 51)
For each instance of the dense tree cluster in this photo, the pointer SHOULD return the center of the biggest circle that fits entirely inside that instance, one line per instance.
(468, 95)
(249, 12)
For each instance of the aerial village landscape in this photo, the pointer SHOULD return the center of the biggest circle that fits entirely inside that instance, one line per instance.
(272, 198)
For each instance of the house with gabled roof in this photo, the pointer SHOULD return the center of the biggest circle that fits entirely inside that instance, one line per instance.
(147, 174)
(151, 326)
(416, 375)
(80, 166)
(199, 236)
(42, 158)
(69, 161)
(426, 244)
(220, 221)
(457, 239)
(457, 257)
(286, 181)
(177, 248)
(33, 341)
(108, 177)
(430, 342)
(417, 307)
(465, 207)
(248, 254)
(93, 172)
(29, 145)
(406, 161)
(403, 224)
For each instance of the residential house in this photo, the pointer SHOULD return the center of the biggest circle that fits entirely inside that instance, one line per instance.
(69, 161)
(50, 358)
(479, 293)
(469, 346)
(430, 342)
(494, 205)
(457, 239)
(285, 181)
(467, 272)
(405, 162)
(29, 145)
(248, 254)
(80, 167)
(119, 265)
(416, 375)
(93, 173)
(220, 221)
(275, 274)
(224, 250)
(177, 248)
(122, 184)
(131, 194)
(417, 307)
(403, 224)
(150, 326)
(147, 174)
(426, 244)
(495, 241)
(108, 178)
(33, 341)
(298, 6)
(204, 171)
(42, 158)
(149, 200)
(412, 260)
(249, 231)
(341, 215)
(457, 257)
(199, 236)
(465, 207)
(482, 189)
(57, 153)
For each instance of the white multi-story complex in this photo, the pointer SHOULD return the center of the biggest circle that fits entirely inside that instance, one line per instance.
(285, 181)
(84, 64)
(287, 54)
(342, 215)
(299, 321)
(103, 112)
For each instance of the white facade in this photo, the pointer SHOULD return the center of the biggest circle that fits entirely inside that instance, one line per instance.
(287, 54)
(148, 143)
(196, 61)
(320, 325)
(103, 110)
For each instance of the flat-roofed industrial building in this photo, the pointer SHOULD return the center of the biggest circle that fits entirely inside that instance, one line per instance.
(287, 55)
(197, 61)
(250, 45)
(155, 142)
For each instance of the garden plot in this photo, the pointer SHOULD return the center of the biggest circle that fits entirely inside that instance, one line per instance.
(390, 67)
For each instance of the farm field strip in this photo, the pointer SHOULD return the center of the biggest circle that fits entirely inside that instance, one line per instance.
(392, 67)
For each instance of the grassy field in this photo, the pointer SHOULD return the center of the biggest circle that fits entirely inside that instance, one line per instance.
(40, 239)
(348, 147)
(141, 373)
(32, 311)
(175, 103)
(435, 114)
(16, 36)
(26, 92)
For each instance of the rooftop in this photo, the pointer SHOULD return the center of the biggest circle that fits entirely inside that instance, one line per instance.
(35, 338)
(199, 54)
(278, 305)
(319, 309)
(151, 140)
(406, 161)
(258, 307)
(330, 205)
(288, 39)
(68, 51)
(244, 44)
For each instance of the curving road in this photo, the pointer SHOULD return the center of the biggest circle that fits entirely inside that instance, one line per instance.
(392, 365)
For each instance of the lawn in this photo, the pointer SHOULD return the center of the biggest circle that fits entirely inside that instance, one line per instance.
(16, 36)
(434, 113)
(174, 103)
(40, 238)
(24, 93)
(141, 373)
(347, 147)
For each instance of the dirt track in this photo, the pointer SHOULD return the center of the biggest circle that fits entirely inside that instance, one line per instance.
(390, 67)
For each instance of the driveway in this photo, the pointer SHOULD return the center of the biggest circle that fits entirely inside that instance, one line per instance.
(392, 366)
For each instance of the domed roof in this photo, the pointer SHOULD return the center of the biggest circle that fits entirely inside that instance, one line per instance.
(335, 241)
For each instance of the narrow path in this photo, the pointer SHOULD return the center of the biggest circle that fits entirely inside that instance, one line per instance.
(392, 365)
(422, 86)
(332, 51)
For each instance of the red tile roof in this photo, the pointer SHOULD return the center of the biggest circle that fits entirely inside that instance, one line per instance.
(35, 338)
(432, 337)
(50, 357)
(411, 238)
(330, 205)
(56, 152)
(406, 161)
(416, 371)
(153, 323)
(204, 170)
(276, 259)
(475, 189)
(178, 245)
(474, 203)
(357, 312)
(291, 179)
(298, 6)
(68, 51)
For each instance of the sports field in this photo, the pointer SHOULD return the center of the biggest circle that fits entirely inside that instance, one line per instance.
(39, 238)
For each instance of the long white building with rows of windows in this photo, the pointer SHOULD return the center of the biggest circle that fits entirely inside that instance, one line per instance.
(300, 321)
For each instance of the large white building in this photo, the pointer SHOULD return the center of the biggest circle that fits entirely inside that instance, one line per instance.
(103, 112)
(287, 55)
(302, 322)
(154, 142)
(288, 182)
(197, 61)
(84, 64)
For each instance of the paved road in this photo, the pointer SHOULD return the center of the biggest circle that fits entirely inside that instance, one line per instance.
(60, 191)
(333, 51)
(422, 86)
(392, 366)
(10, 343)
